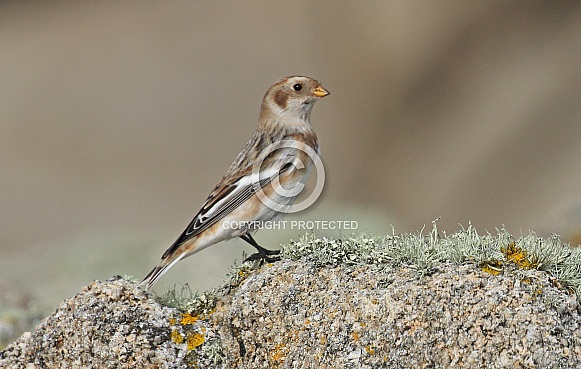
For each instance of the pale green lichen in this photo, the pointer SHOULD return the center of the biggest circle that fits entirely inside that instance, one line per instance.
(422, 252)
(417, 250)
(185, 300)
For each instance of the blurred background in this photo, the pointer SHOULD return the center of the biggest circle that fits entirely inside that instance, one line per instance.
(118, 118)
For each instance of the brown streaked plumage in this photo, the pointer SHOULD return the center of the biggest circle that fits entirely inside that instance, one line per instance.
(284, 115)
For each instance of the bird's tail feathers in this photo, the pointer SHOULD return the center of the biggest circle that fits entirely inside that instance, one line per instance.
(163, 266)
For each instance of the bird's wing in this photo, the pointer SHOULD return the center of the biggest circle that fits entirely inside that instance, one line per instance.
(227, 196)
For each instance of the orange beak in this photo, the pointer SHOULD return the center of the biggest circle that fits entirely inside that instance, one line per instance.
(320, 92)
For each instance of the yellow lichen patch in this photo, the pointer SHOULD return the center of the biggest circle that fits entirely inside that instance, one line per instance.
(518, 256)
(370, 350)
(356, 336)
(177, 337)
(492, 267)
(195, 340)
(172, 321)
(242, 273)
(279, 354)
(375, 301)
(188, 319)
(307, 322)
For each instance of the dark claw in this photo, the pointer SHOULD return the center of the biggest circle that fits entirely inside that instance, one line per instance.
(264, 257)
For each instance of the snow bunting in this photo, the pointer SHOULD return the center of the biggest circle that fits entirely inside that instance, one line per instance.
(264, 169)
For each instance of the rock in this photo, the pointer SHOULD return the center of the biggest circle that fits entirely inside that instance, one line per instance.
(294, 314)
(338, 317)
(109, 324)
(322, 308)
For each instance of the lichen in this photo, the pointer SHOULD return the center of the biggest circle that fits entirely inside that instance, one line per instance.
(176, 337)
(493, 267)
(195, 340)
(518, 256)
(188, 319)
(422, 252)
(278, 353)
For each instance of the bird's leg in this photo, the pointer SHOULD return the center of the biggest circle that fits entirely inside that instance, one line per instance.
(264, 254)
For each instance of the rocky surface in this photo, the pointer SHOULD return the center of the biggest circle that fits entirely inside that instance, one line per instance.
(109, 324)
(296, 314)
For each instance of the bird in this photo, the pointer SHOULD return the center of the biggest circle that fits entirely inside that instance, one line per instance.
(268, 167)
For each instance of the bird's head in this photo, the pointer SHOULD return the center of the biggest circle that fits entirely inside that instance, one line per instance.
(291, 98)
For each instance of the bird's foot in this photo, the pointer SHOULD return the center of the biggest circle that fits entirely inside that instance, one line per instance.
(263, 254)
(269, 256)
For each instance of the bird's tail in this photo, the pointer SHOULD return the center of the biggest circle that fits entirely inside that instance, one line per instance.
(167, 261)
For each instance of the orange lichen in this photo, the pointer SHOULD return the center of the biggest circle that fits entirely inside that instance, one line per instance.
(518, 256)
(370, 350)
(172, 321)
(492, 267)
(356, 336)
(279, 354)
(177, 337)
(188, 319)
(195, 340)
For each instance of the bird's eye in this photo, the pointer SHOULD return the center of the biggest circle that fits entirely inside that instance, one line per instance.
(297, 87)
